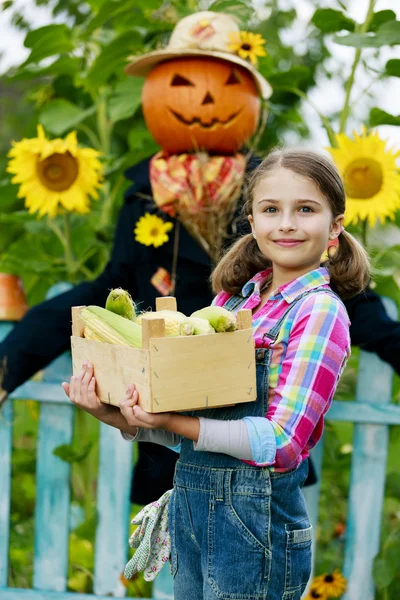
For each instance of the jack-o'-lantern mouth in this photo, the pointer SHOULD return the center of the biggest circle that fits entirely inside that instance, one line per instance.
(213, 124)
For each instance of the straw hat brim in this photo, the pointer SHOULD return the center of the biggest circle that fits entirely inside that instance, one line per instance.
(142, 65)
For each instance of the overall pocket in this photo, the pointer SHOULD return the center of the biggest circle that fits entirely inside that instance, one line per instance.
(239, 555)
(298, 558)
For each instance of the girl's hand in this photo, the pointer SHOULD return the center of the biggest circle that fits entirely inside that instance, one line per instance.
(136, 416)
(81, 391)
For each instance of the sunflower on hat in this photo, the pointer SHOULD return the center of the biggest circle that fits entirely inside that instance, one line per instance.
(247, 45)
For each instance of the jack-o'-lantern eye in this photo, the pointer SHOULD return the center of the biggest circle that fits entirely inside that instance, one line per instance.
(178, 80)
(233, 78)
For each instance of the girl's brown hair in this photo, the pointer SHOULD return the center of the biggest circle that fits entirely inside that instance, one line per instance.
(348, 267)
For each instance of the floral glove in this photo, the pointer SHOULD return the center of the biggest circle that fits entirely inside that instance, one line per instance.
(151, 538)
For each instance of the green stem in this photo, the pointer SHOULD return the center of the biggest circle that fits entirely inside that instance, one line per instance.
(69, 257)
(357, 56)
(386, 593)
(108, 202)
(325, 121)
(90, 134)
(104, 126)
(82, 427)
(364, 231)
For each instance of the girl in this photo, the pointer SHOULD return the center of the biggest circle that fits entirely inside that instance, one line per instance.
(238, 522)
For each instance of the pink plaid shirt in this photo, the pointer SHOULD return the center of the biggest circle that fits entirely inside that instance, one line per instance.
(307, 361)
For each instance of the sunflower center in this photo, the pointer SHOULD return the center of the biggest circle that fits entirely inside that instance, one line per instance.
(363, 178)
(328, 578)
(246, 47)
(58, 171)
(315, 594)
(154, 232)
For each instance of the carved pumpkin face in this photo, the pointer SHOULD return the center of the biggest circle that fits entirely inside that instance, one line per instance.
(200, 104)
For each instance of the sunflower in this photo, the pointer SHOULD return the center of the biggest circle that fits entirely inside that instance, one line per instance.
(247, 45)
(313, 594)
(150, 230)
(370, 176)
(55, 173)
(332, 585)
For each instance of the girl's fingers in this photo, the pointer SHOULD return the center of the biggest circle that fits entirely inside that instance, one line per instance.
(88, 373)
(76, 382)
(91, 389)
(65, 387)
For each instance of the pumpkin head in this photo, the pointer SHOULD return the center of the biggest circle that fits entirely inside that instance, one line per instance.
(193, 104)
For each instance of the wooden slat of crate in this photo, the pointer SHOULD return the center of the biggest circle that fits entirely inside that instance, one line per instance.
(120, 365)
(202, 371)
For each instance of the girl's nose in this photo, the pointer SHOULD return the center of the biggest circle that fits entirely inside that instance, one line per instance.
(287, 225)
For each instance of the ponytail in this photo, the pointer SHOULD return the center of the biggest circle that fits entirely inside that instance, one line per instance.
(348, 266)
(241, 262)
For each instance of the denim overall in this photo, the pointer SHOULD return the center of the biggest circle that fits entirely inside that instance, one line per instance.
(239, 532)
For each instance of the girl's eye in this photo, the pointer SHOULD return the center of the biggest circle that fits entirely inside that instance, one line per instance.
(269, 209)
(307, 209)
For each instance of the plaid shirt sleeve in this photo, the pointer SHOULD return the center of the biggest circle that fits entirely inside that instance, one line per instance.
(317, 351)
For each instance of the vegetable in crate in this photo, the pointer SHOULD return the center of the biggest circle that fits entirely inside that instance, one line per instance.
(201, 326)
(219, 318)
(120, 302)
(176, 323)
(110, 327)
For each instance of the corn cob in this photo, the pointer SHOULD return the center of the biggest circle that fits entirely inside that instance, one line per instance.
(120, 302)
(89, 334)
(201, 326)
(112, 328)
(176, 323)
(220, 318)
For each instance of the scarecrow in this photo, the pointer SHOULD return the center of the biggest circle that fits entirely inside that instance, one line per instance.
(205, 104)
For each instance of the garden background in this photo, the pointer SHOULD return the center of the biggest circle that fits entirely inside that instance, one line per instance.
(73, 79)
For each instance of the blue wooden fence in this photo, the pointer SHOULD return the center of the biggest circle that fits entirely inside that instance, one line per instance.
(371, 412)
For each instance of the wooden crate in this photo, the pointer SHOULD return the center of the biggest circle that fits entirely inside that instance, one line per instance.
(172, 374)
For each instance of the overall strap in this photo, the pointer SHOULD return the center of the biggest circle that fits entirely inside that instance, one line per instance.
(273, 333)
(234, 301)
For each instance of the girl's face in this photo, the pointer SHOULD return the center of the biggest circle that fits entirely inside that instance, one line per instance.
(292, 221)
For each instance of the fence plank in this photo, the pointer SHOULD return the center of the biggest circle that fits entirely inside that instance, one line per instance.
(367, 480)
(6, 417)
(113, 506)
(53, 487)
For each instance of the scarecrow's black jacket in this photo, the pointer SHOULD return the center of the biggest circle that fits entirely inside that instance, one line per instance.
(44, 333)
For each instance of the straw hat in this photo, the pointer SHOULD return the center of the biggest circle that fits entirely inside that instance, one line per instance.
(204, 33)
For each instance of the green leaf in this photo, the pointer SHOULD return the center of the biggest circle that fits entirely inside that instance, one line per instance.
(8, 195)
(65, 65)
(387, 35)
(291, 78)
(47, 41)
(126, 98)
(59, 115)
(113, 58)
(393, 67)
(383, 572)
(109, 10)
(69, 454)
(242, 10)
(380, 117)
(381, 17)
(329, 20)
(18, 216)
